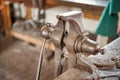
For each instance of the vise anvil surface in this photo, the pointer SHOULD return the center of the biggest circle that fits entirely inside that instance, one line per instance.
(108, 63)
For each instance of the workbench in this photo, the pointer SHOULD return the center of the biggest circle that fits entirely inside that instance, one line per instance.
(91, 8)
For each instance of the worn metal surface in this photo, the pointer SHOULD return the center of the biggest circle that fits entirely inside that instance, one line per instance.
(109, 61)
(112, 50)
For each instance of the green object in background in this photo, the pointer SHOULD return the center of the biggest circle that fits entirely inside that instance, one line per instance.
(109, 19)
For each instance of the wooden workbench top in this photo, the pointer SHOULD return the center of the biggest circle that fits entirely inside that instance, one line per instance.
(99, 3)
(91, 8)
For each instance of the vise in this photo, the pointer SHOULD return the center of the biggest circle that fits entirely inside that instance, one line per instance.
(69, 34)
(70, 39)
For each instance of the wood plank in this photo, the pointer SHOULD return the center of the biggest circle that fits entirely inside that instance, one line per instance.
(35, 41)
(6, 17)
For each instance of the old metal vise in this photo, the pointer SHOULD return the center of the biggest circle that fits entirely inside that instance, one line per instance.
(72, 46)
(69, 32)
(70, 35)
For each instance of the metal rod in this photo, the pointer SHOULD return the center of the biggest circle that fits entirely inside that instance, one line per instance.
(40, 60)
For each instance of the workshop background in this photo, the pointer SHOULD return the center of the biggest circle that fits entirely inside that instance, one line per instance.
(20, 40)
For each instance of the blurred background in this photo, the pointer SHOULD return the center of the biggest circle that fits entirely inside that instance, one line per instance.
(20, 39)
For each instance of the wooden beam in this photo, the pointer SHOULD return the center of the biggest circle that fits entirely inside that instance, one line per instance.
(6, 17)
(35, 41)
